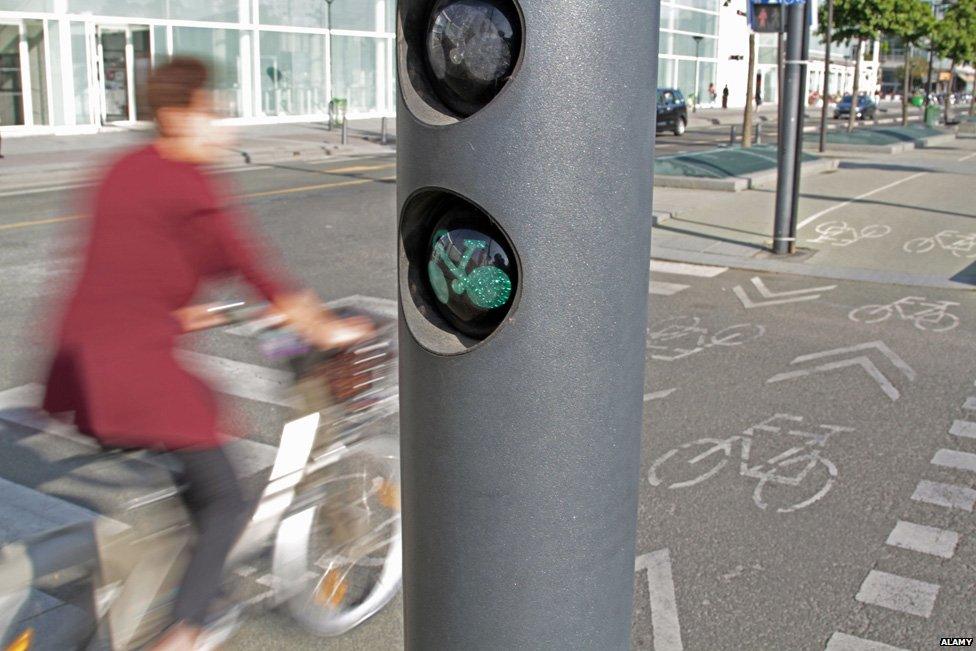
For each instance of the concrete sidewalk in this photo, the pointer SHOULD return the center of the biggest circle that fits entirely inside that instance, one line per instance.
(39, 161)
(898, 220)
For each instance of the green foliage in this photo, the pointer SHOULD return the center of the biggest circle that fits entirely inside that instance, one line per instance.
(954, 36)
(910, 20)
(855, 20)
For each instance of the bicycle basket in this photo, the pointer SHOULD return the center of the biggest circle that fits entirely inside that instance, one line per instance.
(354, 380)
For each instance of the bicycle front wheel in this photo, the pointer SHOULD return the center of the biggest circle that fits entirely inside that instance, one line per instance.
(339, 561)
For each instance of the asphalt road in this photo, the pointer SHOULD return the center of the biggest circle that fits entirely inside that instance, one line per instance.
(788, 490)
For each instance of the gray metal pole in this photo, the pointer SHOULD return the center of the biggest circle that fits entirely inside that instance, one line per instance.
(826, 79)
(520, 440)
(800, 119)
(788, 140)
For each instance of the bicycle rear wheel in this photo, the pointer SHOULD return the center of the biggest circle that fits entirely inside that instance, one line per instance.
(340, 559)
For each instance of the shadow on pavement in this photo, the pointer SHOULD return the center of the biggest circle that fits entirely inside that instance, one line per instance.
(967, 275)
(923, 209)
(887, 167)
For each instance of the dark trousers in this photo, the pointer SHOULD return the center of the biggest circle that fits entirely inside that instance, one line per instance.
(219, 511)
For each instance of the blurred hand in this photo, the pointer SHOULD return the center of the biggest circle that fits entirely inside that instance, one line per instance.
(199, 317)
(304, 312)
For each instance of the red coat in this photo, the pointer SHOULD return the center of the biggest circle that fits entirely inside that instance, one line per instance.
(159, 228)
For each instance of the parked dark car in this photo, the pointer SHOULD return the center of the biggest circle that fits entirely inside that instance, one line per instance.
(866, 108)
(672, 112)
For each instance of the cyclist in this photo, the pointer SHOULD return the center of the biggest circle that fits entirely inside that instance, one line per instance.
(159, 228)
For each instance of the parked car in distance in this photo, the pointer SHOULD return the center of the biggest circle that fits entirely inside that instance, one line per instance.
(866, 108)
(672, 111)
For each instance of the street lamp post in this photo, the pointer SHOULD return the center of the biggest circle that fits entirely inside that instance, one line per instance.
(826, 77)
(698, 40)
(331, 88)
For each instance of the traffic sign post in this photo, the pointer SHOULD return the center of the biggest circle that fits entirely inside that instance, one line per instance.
(523, 266)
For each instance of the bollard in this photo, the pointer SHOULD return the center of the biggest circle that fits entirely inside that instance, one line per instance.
(732, 135)
(759, 133)
(383, 134)
(345, 127)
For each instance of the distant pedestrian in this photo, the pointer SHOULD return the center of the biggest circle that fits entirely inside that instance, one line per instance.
(712, 94)
(725, 97)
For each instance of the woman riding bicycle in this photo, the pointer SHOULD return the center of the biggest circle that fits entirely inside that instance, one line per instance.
(159, 228)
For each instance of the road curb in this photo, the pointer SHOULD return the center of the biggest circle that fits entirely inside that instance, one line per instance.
(806, 269)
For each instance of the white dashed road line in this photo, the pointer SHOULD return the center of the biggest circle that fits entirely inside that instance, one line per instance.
(685, 269)
(818, 215)
(844, 642)
(657, 395)
(955, 459)
(924, 539)
(664, 607)
(665, 289)
(947, 495)
(898, 593)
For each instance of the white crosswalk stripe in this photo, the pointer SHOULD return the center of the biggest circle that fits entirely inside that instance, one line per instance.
(924, 539)
(955, 459)
(964, 429)
(970, 403)
(899, 593)
(947, 495)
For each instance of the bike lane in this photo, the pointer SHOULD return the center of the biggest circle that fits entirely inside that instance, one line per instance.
(909, 216)
(770, 383)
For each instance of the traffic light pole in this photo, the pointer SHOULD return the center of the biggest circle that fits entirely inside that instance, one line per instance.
(788, 128)
(524, 243)
(800, 120)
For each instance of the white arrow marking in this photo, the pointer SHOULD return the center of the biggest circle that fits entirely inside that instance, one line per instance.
(659, 394)
(878, 345)
(861, 360)
(664, 607)
(795, 295)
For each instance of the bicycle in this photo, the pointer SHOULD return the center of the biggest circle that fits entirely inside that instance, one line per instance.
(327, 521)
(960, 245)
(925, 314)
(684, 327)
(781, 478)
(842, 234)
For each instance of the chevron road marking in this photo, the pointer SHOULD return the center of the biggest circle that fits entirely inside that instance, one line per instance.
(861, 360)
(664, 607)
(778, 298)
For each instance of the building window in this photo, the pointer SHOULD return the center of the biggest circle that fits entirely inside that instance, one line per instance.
(221, 49)
(293, 73)
(355, 68)
(226, 11)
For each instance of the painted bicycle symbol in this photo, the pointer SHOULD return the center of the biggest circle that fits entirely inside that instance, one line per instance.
(923, 313)
(682, 336)
(842, 234)
(962, 245)
(788, 481)
(487, 287)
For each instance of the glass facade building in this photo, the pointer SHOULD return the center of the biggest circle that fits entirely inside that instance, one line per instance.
(688, 46)
(73, 65)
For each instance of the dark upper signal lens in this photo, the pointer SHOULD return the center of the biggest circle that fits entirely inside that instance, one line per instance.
(472, 49)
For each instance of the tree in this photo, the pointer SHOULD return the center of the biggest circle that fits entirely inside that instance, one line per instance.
(857, 21)
(912, 22)
(750, 94)
(954, 38)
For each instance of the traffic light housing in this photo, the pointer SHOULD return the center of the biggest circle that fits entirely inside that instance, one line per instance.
(525, 137)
